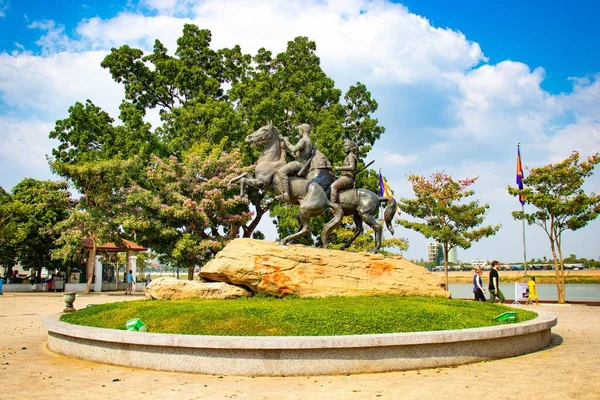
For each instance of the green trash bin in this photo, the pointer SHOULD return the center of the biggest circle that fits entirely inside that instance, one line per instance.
(136, 325)
(509, 316)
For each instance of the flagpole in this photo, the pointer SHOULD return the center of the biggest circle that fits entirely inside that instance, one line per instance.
(524, 247)
(380, 217)
(523, 221)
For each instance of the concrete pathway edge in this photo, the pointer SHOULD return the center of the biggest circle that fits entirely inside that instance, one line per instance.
(306, 355)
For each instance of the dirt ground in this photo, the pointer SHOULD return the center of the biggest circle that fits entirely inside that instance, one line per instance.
(568, 369)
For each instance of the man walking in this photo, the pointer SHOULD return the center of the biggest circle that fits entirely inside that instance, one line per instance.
(494, 285)
(129, 283)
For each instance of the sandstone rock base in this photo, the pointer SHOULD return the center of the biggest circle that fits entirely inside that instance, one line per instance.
(305, 271)
(174, 289)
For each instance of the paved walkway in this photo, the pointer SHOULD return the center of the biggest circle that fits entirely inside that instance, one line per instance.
(568, 369)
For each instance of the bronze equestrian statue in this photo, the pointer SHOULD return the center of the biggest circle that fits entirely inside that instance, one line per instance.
(311, 193)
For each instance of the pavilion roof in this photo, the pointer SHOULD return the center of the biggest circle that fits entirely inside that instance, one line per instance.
(110, 247)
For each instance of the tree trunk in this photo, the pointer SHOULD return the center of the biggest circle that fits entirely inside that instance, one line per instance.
(89, 268)
(446, 266)
(248, 230)
(560, 289)
(191, 272)
(562, 270)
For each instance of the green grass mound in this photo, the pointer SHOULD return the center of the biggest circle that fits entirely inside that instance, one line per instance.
(262, 316)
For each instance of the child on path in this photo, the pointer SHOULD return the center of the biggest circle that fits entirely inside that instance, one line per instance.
(532, 291)
(129, 283)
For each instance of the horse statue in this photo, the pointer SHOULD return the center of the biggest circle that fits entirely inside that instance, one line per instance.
(311, 193)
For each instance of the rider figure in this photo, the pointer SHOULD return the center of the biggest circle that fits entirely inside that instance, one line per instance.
(346, 181)
(302, 152)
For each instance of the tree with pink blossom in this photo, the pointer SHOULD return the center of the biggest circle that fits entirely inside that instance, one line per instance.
(183, 210)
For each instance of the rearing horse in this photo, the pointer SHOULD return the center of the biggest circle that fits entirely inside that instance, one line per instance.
(311, 193)
(308, 193)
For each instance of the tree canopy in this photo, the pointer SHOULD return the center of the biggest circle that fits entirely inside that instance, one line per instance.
(561, 204)
(28, 219)
(448, 219)
(12, 230)
(209, 97)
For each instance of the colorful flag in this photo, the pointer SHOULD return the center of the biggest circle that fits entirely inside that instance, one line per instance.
(385, 190)
(520, 175)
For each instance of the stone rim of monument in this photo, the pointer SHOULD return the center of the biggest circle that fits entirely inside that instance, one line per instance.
(299, 355)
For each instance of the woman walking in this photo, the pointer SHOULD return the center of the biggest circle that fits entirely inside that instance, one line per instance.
(478, 289)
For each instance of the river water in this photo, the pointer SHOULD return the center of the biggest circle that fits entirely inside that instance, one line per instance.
(573, 292)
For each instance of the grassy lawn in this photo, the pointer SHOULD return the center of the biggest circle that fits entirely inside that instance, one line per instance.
(265, 316)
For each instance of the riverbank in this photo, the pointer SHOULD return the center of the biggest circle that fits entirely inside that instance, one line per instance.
(541, 277)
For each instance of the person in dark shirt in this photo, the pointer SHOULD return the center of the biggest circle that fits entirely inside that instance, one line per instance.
(494, 285)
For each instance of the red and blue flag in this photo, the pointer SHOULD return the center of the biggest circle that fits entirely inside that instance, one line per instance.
(520, 175)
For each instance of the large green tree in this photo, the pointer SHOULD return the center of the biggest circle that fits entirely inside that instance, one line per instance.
(556, 191)
(12, 230)
(95, 216)
(448, 218)
(44, 205)
(207, 95)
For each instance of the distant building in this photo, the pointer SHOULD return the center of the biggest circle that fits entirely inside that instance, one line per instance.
(434, 253)
(479, 262)
(452, 256)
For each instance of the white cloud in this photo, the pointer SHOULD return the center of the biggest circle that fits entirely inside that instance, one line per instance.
(584, 101)
(371, 41)
(4, 5)
(503, 100)
(55, 39)
(582, 137)
(377, 41)
(170, 7)
(132, 29)
(23, 149)
(398, 159)
(51, 84)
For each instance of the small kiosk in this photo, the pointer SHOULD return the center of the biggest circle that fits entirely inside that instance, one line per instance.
(106, 275)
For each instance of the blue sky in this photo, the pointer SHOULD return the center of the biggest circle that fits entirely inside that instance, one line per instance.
(557, 35)
(459, 83)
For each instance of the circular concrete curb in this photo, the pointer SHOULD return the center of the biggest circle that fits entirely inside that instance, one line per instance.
(298, 355)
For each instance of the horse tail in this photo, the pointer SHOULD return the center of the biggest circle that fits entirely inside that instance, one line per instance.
(388, 213)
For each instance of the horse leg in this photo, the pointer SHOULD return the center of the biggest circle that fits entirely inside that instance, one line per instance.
(237, 178)
(358, 229)
(304, 217)
(338, 214)
(252, 182)
(372, 222)
(241, 178)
